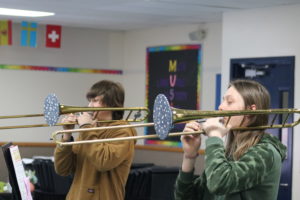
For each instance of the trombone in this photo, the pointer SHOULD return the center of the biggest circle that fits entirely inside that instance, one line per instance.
(53, 109)
(164, 118)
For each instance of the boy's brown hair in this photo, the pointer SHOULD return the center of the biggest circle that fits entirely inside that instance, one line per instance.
(112, 94)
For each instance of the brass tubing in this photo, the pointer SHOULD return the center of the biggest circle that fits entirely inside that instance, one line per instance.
(21, 116)
(185, 115)
(128, 115)
(286, 118)
(54, 134)
(32, 126)
(227, 121)
(125, 138)
(274, 118)
(145, 136)
(182, 118)
(102, 128)
(46, 125)
(71, 109)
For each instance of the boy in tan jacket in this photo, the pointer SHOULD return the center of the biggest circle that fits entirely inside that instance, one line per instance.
(101, 169)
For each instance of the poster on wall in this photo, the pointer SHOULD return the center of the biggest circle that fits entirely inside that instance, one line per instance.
(175, 72)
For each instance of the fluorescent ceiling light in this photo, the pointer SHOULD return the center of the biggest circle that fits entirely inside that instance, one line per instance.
(24, 13)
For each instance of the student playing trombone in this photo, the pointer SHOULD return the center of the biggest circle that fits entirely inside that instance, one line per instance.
(100, 169)
(248, 167)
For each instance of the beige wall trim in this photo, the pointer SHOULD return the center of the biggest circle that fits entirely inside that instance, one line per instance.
(139, 147)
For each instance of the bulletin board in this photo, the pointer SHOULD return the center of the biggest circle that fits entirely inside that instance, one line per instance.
(24, 89)
(175, 72)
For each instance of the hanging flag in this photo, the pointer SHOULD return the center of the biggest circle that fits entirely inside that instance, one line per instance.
(28, 34)
(53, 36)
(5, 32)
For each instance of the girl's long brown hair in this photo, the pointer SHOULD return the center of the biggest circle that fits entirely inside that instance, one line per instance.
(252, 93)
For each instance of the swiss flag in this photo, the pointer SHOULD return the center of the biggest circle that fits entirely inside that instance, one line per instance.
(53, 36)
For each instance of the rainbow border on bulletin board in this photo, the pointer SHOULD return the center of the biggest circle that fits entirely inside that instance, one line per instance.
(172, 48)
(61, 69)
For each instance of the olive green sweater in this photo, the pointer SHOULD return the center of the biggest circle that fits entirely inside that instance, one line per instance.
(254, 176)
(101, 169)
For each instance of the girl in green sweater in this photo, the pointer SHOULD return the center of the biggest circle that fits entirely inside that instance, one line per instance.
(249, 167)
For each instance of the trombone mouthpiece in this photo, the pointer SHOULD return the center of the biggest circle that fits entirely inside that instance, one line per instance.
(201, 121)
(81, 113)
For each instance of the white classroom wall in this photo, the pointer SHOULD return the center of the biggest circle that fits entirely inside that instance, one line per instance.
(23, 92)
(264, 33)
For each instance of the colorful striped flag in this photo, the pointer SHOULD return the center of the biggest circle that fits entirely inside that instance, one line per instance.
(5, 32)
(28, 34)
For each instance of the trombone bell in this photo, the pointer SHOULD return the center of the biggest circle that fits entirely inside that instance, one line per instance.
(51, 109)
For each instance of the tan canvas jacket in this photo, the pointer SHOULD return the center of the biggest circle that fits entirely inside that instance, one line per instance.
(100, 170)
